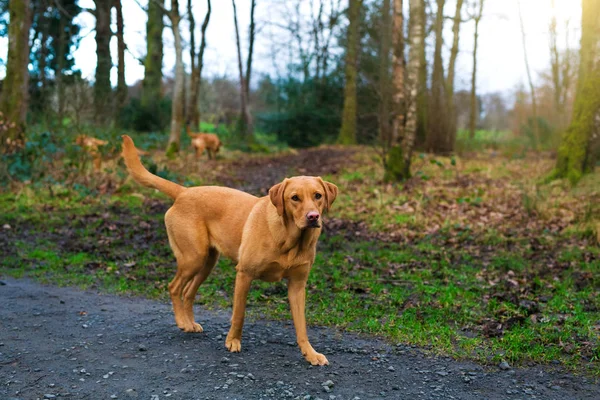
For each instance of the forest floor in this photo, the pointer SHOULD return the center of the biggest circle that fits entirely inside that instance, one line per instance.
(472, 258)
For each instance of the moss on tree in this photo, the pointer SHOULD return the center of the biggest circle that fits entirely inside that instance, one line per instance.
(576, 152)
(396, 168)
(151, 86)
(13, 103)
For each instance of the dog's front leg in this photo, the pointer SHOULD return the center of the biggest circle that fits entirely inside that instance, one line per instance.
(297, 297)
(240, 294)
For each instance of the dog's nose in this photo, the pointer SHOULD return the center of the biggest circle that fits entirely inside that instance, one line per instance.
(312, 216)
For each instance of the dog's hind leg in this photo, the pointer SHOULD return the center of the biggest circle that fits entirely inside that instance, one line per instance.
(190, 290)
(192, 252)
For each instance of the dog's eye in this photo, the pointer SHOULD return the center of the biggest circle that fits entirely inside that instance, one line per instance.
(295, 197)
(318, 196)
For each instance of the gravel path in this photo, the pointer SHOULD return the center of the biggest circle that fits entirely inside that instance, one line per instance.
(66, 343)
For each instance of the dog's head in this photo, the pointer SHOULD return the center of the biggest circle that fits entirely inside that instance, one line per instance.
(303, 199)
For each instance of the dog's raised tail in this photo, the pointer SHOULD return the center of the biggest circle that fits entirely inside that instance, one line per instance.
(142, 175)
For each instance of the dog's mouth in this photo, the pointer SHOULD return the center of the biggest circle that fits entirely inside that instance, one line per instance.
(312, 225)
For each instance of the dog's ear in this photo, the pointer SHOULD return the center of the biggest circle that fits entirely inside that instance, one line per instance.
(276, 196)
(331, 192)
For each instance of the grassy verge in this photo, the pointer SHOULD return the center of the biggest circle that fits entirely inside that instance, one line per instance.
(486, 298)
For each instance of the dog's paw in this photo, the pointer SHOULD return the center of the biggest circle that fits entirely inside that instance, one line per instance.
(317, 359)
(233, 345)
(193, 327)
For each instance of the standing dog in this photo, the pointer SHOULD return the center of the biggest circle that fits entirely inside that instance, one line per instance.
(205, 141)
(271, 238)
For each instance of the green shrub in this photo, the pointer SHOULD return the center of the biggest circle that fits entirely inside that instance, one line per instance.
(135, 116)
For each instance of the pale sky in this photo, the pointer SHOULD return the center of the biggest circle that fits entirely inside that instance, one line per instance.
(500, 53)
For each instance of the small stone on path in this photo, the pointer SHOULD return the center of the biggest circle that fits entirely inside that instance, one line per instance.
(504, 366)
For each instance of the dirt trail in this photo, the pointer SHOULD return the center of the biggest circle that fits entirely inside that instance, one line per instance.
(66, 343)
(256, 175)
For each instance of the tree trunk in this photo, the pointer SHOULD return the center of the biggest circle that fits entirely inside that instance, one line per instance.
(422, 96)
(60, 55)
(348, 129)
(102, 88)
(192, 106)
(13, 103)
(473, 114)
(200, 63)
(439, 137)
(578, 151)
(536, 135)
(152, 84)
(241, 73)
(197, 64)
(245, 116)
(451, 68)
(394, 166)
(385, 132)
(121, 84)
(400, 156)
(249, 128)
(178, 101)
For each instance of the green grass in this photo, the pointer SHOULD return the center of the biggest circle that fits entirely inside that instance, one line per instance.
(421, 294)
(445, 291)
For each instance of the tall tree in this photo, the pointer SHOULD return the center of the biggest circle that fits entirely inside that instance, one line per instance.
(536, 134)
(422, 92)
(152, 83)
(473, 101)
(246, 116)
(121, 84)
(451, 68)
(102, 88)
(197, 64)
(385, 131)
(395, 159)
(348, 129)
(178, 100)
(580, 145)
(439, 138)
(398, 167)
(13, 102)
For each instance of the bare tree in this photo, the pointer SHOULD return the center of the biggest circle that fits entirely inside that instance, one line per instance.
(473, 115)
(121, 85)
(451, 67)
(247, 128)
(197, 64)
(178, 101)
(536, 135)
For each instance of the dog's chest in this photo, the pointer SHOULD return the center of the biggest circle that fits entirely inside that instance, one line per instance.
(282, 268)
